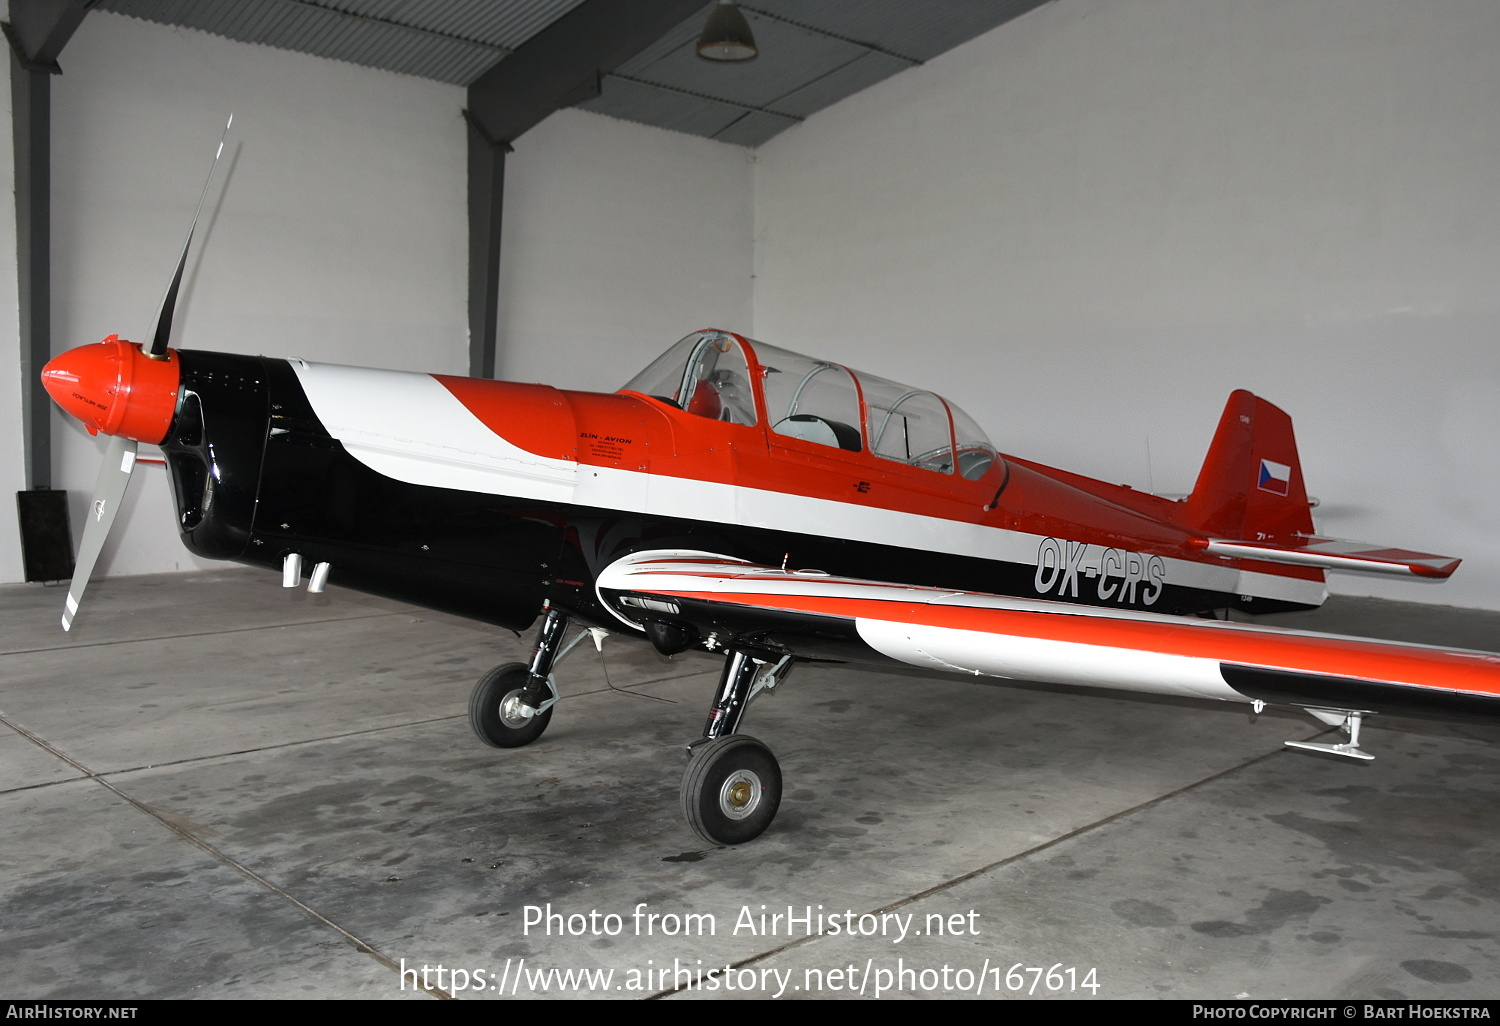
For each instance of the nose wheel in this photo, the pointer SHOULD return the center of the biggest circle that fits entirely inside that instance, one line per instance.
(731, 790)
(512, 704)
(499, 716)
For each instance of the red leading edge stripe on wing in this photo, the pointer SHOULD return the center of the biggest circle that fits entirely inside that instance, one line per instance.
(1471, 672)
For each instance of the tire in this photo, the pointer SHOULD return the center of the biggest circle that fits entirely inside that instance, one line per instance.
(731, 790)
(487, 709)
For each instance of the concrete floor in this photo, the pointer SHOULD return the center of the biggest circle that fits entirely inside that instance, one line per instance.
(214, 788)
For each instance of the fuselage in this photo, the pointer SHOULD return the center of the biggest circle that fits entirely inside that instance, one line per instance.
(487, 498)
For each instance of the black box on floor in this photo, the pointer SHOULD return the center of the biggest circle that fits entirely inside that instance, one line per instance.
(46, 536)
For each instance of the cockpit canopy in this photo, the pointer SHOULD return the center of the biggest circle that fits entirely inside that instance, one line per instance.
(720, 376)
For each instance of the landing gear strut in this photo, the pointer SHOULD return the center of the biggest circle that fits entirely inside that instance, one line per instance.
(732, 787)
(512, 704)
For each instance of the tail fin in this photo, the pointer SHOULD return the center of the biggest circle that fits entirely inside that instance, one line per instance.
(1251, 483)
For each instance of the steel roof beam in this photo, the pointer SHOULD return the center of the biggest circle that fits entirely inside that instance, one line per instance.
(556, 68)
(38, 30)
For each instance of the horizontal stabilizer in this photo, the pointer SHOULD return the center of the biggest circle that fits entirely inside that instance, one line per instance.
(1332, 554)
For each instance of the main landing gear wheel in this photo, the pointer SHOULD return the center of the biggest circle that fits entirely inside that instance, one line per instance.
(731, 790)
(496, 712)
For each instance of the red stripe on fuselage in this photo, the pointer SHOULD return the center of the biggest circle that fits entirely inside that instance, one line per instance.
(633, 433)
(536, 418)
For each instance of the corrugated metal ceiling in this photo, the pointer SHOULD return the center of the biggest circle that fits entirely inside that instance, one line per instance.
(813, 53)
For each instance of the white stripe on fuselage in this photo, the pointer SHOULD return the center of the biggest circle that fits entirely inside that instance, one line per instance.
(410, 428)
(440, 443)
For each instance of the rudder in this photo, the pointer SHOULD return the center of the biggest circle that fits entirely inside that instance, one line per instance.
(1251, 483)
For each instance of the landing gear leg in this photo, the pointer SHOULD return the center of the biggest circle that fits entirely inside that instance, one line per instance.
(732, 787)
(512, 704)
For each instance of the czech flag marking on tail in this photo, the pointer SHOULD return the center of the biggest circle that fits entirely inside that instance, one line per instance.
(1274, 477)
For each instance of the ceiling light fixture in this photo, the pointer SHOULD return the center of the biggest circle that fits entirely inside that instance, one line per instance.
(726, 36)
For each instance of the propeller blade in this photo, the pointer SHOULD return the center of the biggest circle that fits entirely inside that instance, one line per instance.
(157, 347)
(109, 490)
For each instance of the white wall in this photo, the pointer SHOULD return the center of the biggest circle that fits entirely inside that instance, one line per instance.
(334, 230)
(1090, 225)
(337, 231)
(618, 240)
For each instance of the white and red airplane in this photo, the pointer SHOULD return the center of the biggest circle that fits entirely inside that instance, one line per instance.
(737, 498)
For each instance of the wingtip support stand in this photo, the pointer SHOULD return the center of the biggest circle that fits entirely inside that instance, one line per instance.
(1347, 720)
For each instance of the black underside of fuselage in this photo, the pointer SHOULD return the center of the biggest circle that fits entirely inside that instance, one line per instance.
(256, 477)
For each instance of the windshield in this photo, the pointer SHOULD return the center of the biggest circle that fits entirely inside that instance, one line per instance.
(704, 374)
(709, 374)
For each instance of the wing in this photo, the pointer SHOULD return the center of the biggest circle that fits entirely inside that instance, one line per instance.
(732, 603)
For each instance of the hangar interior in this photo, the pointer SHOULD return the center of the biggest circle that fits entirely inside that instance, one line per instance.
(1084, 221)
